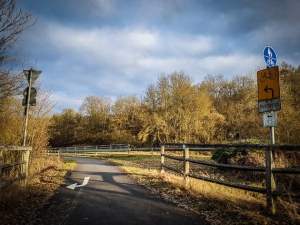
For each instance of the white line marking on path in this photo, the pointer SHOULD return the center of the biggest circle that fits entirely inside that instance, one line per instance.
(85, 181)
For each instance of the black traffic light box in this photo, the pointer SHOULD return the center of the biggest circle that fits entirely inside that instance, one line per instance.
(32, 100)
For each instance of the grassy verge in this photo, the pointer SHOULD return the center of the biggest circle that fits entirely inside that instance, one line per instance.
(20, 205)
(220, 204)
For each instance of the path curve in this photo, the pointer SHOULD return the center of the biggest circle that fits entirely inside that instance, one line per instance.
(110, 197)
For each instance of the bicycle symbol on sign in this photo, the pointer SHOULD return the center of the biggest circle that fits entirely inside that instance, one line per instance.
(267, 75)
(269, 57)
(271, 60)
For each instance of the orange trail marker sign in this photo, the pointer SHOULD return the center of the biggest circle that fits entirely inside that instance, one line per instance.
(268, 89)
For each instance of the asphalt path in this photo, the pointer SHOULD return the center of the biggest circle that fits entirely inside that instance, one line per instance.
(110, 196)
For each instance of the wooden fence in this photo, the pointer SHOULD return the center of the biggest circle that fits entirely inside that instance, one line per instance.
(23, 172)
(270, 169)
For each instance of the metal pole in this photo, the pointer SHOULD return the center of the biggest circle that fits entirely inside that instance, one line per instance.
(27, 107)
(272, 136)
(271, 183)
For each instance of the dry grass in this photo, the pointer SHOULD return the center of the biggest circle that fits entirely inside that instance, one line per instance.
(20, 205)
(220, 204)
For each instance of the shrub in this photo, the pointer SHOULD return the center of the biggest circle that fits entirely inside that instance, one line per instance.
(223, 156)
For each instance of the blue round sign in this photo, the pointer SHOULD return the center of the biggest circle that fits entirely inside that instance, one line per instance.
(270, 56)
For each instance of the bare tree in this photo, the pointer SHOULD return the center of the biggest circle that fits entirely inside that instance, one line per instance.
(13, 22)
(95, 111)
(176, 110)
(125, 121)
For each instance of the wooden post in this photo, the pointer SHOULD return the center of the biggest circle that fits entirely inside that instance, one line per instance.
(186, 164)
(162, 158)
(1, 162)
(270, 181)
(24, 167)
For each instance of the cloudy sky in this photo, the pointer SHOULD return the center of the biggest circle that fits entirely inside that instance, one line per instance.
(117, 48)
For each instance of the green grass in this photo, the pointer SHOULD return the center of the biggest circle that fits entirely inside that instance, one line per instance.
(68, 164)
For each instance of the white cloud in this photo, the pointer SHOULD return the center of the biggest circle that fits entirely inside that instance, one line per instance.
(65, 100)
(238, 63)
(78, 61)
(129, 49)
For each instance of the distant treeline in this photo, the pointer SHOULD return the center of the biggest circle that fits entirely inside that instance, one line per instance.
(177, 110)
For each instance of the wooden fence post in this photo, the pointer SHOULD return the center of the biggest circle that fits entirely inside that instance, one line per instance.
(270, 180)
(1, 162)
(162, 158)
(186, 164)
(24, 167)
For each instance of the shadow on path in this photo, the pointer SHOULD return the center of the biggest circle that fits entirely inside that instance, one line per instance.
(110, 197)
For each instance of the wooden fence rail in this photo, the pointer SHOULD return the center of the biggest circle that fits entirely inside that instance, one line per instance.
(270, 170)
(23, 172)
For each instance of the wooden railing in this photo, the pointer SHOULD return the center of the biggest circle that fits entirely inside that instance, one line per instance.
(270, 170)
(23, 162)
